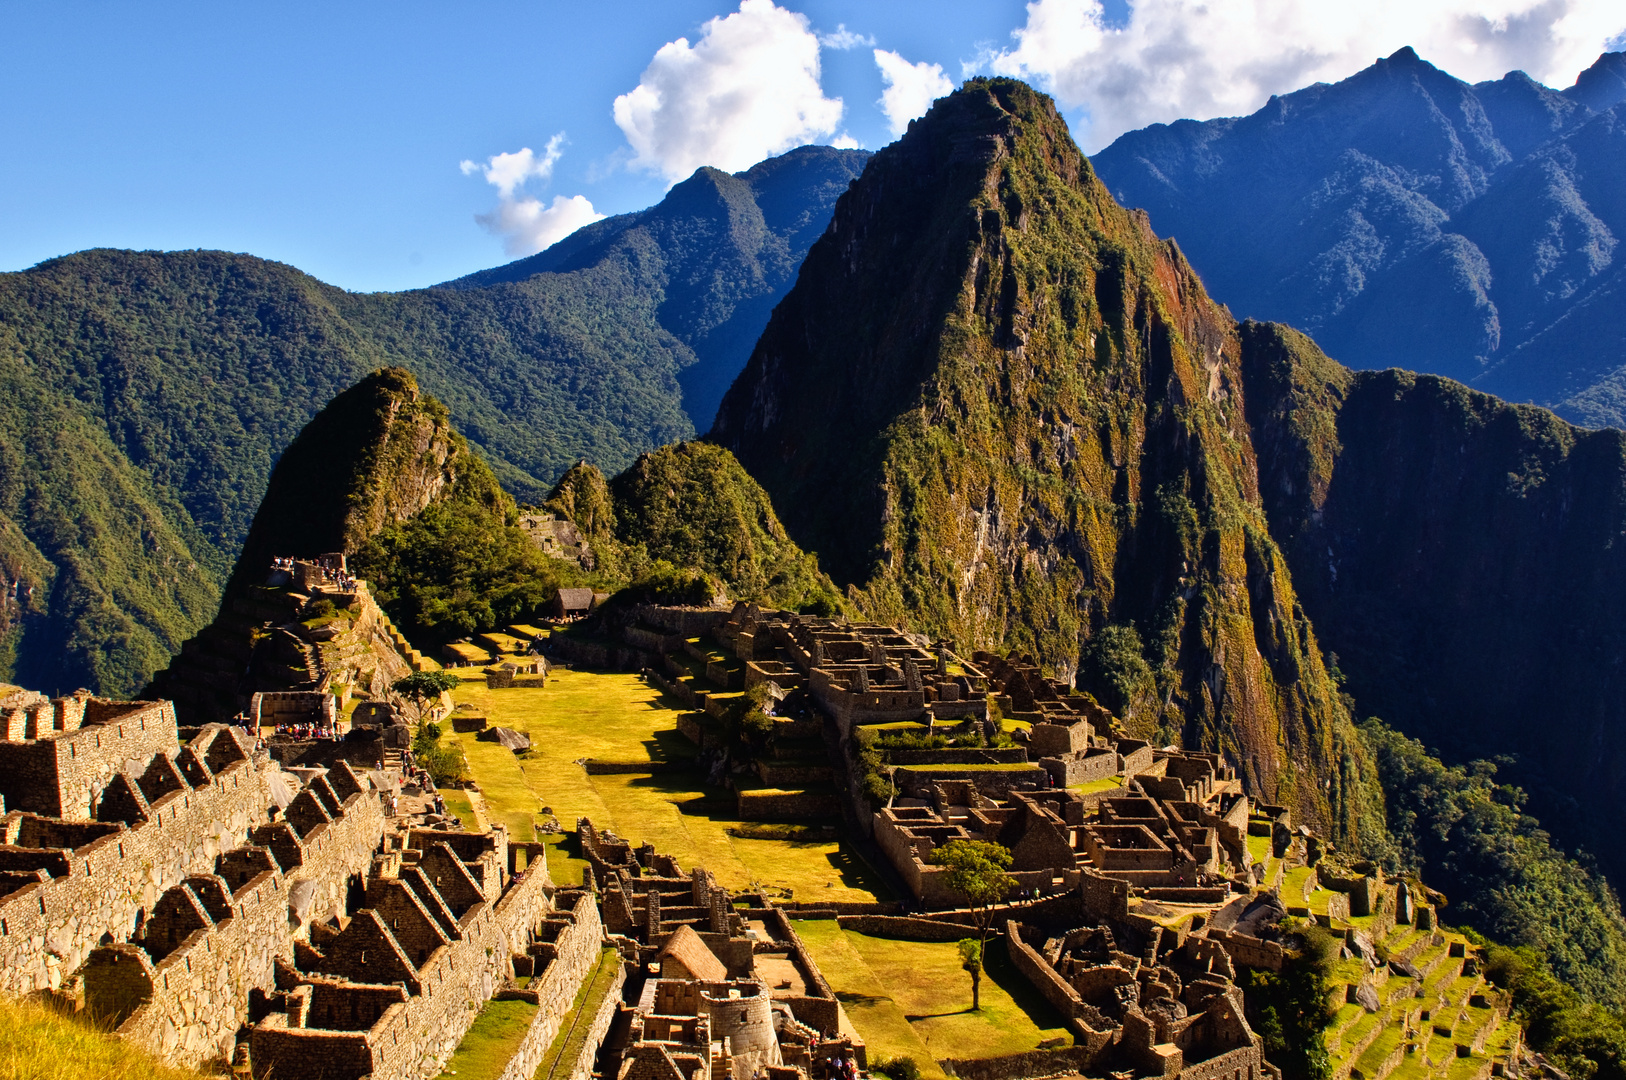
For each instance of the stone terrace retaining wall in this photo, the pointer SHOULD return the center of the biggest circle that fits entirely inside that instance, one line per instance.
(48, 929)
(905, 928)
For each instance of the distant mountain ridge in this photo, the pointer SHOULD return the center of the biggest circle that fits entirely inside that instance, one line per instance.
(150, 394)
(1408, 219)
(727, 247)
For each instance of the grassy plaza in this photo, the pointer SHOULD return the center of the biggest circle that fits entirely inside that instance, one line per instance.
(621, 718)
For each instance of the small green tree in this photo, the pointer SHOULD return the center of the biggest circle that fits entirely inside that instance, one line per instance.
(976, 870)
(971, 961)
(422, 686)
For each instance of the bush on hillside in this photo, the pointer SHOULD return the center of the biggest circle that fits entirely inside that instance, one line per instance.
(1463, 832)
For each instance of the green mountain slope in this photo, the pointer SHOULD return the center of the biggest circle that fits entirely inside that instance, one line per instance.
(693, 506)
(380, 475)
(100, 572)
(189, 372)
(718, 252)
(1002, 410)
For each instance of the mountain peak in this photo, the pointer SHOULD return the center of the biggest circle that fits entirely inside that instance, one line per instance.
(1603, 85)
(979, 403)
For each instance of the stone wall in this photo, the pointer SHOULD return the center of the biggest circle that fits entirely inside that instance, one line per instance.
(48, 929)
(773, 804)
(413, 1039)
(198, 994)
(74, 747)
(905, 928)
(578, 948)
(1051, 986)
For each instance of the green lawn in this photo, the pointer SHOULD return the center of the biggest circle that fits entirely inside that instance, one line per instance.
(457, 804)
(1106, 783)
(621, 718)
(882, 981)
(496, 1034)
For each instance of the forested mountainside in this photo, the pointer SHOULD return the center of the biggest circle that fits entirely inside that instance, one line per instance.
(721, 251)
(381, 475)
(692, 507)
(1003, 411)
(1408, 219)
(1462, 557)
(151, 393)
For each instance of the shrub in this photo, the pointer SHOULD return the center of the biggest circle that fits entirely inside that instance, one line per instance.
(898, 1068)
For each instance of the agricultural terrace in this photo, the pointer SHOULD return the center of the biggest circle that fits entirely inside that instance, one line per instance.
(622, 720)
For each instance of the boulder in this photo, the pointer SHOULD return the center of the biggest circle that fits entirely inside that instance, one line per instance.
(516, 741)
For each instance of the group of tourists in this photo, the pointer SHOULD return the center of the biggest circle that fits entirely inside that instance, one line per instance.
(343, 579)
(309, 732)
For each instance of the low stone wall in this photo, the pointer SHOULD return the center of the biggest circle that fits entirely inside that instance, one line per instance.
(959, 756)
(905, 927)
(597, 654)
(918, 780)
(1051, 986)
(772, 804)
(1067, 1060)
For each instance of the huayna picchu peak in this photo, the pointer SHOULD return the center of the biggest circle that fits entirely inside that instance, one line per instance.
(1004, 412)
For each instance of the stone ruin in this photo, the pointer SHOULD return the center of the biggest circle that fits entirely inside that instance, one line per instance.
(732, 991)
(266, 643)
(214, 907)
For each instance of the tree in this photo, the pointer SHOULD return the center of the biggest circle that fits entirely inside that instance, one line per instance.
(423, 686)
(976, 870)
(971, 960)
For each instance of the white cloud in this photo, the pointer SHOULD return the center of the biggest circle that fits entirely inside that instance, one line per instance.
(845, 141)
(528, 226)
(844, 39)
(508, 171)
(1207, 58)
(910, 88)
(748, 89)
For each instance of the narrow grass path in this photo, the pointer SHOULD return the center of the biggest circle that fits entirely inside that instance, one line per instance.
(491, 1041)
(572, 1036)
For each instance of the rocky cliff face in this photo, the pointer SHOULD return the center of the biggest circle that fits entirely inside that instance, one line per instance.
(377, 455)
(1463, 557)
(1002, 410)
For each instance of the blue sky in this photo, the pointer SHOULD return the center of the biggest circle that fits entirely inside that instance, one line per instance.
(330, 136)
